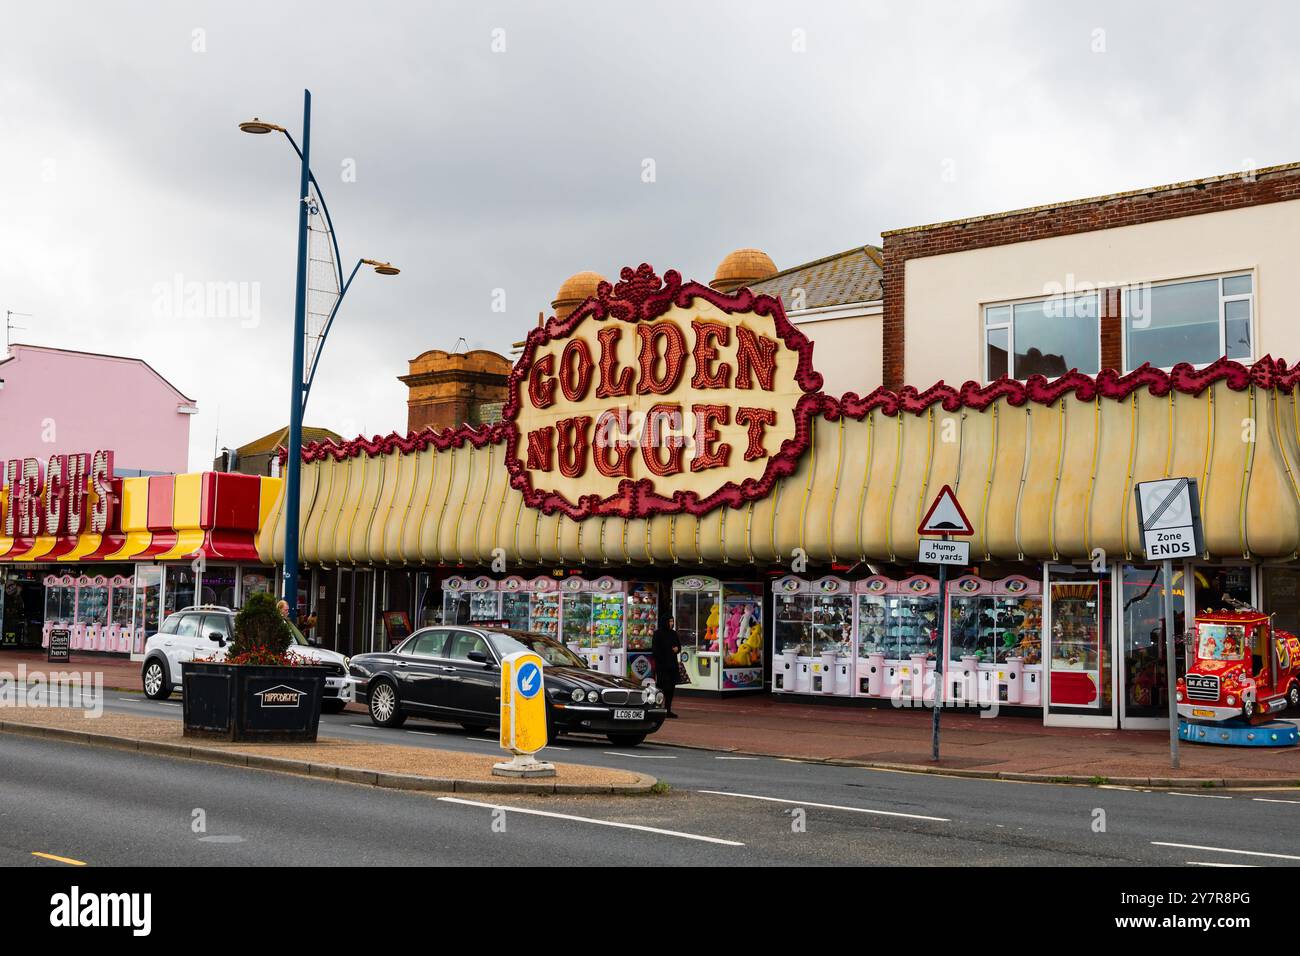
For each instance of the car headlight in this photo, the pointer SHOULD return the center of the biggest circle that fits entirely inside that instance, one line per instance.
(1232, 701)
(592, 697)
(659, 699)
(1179, 696)
(648, 695)
(577, 695)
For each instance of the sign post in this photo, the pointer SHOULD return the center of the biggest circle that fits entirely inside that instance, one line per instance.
(944, 518)
(523, 717)
(1169, 514)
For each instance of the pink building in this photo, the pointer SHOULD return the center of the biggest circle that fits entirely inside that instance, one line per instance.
(57, 401)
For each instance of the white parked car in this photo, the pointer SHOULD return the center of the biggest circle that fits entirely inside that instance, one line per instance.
(204, 632)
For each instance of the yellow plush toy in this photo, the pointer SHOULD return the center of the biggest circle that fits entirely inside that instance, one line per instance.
(711, 628)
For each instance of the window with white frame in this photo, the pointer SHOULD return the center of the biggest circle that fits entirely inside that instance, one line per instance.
(1195, 321)
(1046, 337)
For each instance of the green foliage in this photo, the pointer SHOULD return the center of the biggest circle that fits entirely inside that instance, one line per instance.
(260, 629)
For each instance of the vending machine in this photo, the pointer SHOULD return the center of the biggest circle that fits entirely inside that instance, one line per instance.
(812, 626)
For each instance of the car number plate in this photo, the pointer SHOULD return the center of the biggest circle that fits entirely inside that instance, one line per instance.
(1202, 713)
(629, 715)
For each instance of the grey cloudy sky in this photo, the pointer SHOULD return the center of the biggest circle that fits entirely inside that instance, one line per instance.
(121, 167)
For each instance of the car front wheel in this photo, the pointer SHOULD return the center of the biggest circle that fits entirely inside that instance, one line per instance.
(154, 679)
(625, 740)
(385, 709)
(1293, 696)
(1248, 710)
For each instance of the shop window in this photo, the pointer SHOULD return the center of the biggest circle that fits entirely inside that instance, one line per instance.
(180, 589)
(1281, 587)
(1196, 321)
(1046, 337)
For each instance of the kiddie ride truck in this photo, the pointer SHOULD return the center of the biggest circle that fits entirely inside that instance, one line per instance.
(1241, 673)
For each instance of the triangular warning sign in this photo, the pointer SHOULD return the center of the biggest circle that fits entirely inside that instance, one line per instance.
(945, 516)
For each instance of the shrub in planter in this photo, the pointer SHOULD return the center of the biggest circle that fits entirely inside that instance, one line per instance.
(260, 630)
(258, 692)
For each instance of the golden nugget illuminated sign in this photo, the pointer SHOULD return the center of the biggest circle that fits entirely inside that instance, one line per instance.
(659, 397)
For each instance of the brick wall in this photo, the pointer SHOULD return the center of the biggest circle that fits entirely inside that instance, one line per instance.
(1275, 184)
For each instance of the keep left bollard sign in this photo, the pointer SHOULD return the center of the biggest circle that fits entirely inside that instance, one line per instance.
(523, 704)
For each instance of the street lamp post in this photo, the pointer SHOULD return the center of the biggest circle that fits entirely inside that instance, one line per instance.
(303, 374)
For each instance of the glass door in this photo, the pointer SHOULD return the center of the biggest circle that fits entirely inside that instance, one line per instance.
(1143, 672)
(1079, 658)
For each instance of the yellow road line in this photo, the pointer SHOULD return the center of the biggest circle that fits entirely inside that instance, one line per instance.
(59, 859)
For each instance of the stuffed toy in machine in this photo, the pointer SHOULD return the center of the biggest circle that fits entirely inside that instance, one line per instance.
(711, 628)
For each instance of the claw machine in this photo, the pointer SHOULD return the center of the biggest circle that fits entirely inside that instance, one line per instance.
(466, 600)
(544, 607)
(812, 626)
(641, 620)
(591, 621)
(515, 602)
(121, 588)
(697, 608)
(721, 629)
(60, 605)
(898, 642)
(995, 640)
(92, 612)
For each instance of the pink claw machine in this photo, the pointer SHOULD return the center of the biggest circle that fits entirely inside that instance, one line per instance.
(121, 590)
(995, 640)
(897, 635)
(466, 600)
(92, 612)
(60, 607)
(591, 621)
(812, 627)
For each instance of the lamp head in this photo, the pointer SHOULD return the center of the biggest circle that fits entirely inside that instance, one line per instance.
(260, 127)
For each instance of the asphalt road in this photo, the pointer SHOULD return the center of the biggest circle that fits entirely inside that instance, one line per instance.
(109, 807)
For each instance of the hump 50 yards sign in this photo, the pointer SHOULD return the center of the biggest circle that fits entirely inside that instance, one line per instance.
(659, 397)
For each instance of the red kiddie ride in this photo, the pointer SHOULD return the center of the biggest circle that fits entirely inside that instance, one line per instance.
(1239, 666)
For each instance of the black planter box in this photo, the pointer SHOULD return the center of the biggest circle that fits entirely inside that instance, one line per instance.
(251, 701)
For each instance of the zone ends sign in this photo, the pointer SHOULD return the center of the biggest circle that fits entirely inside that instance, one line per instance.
(1169, 515)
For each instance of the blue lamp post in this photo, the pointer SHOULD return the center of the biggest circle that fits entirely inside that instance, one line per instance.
(304, 372)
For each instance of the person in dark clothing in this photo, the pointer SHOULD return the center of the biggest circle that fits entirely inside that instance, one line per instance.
(667, 645)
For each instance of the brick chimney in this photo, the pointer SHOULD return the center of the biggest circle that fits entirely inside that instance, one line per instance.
(455, 388)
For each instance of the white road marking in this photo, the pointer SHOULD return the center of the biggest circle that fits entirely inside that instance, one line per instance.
(367, 727)
(615, 753)
(1198, 863)
(827, 806)
(1203, 796)
(591, 820)
(422, 733)
(1271, 800)
(1222, 849)
(735, 758)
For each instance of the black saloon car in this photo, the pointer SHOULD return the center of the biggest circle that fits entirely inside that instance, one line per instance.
(454, 674)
